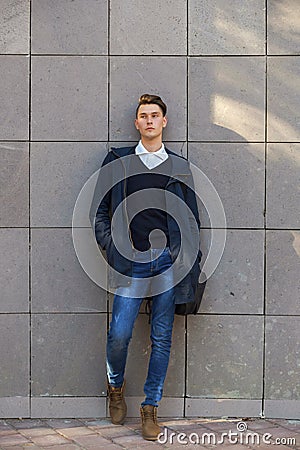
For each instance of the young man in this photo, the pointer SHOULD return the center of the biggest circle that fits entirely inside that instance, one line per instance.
(153, 177)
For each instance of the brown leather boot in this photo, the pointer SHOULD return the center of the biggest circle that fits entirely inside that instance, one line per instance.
(117, 404)
(150, 428)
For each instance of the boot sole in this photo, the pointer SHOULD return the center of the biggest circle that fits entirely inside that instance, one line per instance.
(121, 422)
(150, 438)
(118, 423)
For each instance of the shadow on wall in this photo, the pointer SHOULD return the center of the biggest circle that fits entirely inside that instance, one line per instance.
(228, 101)
(283, 27)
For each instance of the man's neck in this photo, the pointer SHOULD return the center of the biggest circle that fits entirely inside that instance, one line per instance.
(152, 145)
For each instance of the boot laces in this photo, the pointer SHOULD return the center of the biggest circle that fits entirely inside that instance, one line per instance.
(150, 414)
(116, 394)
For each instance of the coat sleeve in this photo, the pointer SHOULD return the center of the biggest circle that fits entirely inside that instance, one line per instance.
(191, 201)
(102, 224)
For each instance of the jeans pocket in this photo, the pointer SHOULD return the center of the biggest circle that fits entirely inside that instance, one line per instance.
(169, 252)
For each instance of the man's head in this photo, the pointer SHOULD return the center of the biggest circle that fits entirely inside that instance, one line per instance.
(151, 118)
(148, 99)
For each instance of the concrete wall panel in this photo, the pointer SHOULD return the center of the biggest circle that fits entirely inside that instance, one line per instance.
(15, 364)
(282, 358)
(283, 186)
(282, 278)
(69, 98)
(66, 362)
(225, 358)
(14, 25)
(132, 30)
(14, 92)
(222, 90)
(64, 27)
(283, 27)
(237, 172)
(237, 285)
(14, 274)
(14, 184)
(59, 171)
(58, 282)
(283, 99)
(226, 27)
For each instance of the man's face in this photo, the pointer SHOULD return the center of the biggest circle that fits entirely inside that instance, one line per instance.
(150, 121)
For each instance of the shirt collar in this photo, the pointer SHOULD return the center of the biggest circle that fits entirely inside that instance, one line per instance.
(140, 149)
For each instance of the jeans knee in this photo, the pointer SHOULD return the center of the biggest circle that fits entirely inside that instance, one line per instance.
(118, 341)
(162, 341)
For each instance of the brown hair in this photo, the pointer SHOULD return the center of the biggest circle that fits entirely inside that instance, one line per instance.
(147, 99)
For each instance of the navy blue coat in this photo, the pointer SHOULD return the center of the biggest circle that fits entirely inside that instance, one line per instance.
(181, 186)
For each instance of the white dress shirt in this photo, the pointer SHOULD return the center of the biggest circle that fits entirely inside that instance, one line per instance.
(151, 159)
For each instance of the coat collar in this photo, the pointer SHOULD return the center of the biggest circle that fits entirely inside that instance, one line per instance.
(180, 165)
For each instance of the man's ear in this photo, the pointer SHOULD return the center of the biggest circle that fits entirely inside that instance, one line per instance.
(136, 124)
(165, 121)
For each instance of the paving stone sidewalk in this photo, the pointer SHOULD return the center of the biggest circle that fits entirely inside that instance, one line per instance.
(69, 434)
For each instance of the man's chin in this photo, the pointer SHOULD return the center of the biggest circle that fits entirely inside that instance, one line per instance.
(152, 134)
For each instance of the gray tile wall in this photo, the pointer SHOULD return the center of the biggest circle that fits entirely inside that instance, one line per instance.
(71, 74)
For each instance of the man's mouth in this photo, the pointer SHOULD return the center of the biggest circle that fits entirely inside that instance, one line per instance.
(149, 128)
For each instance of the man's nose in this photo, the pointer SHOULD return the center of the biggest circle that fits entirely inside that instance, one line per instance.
(149, 119)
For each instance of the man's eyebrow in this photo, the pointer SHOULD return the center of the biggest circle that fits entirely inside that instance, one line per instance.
(153, 112)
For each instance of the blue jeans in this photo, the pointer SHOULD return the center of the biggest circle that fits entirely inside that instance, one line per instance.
(127, 302)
